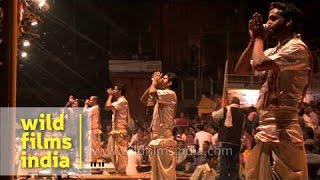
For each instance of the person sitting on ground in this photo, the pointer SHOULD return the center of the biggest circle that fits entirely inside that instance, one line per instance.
(134, 161)
(206, 171)
(200, 157)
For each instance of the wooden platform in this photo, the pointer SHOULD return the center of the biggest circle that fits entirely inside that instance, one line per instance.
(141, 176)
(107, 171)
(180, 176)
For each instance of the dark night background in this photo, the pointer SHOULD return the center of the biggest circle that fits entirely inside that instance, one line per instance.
(77, 37)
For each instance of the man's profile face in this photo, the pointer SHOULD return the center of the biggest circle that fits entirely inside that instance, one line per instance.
(116, 91)
(92, 100)
(75, 104)
(165, 82)
(276, 22)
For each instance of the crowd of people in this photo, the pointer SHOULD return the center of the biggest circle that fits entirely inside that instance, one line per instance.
(196, 138)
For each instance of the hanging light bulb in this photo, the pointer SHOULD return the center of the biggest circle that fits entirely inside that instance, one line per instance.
(34, 23)
(26, 43)
(24, 54)
(42, 3)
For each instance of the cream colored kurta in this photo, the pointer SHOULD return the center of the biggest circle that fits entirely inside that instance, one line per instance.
(164, 111)
(163, 149)
(117, 141)
(94, 133)
(279, 134)
(120, 115)
(203, 172)
(163, 159)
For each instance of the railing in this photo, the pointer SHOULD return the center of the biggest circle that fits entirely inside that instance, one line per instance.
(245, 79)
(191, 90)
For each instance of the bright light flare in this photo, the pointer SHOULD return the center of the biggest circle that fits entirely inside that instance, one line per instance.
(26, 43)
(42, 3)
(24, 54)
(34, 23)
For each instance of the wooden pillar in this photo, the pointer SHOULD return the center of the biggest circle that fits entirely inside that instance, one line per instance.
(8, 86)
(8, 70)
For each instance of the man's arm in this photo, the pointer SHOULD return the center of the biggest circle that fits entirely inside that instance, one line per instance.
(156, 78)
(217, 115)
(70, 102)
(86, 105)
(108, 105)
(243, 65)
(145, 96)
(260, 61)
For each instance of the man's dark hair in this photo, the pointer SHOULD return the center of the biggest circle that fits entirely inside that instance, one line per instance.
(235, 100)
(252, 109)
(95, 98)
(174, 80)
(121, 87)
(289, 11)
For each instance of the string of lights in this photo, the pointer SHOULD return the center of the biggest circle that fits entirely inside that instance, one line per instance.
(28, 17)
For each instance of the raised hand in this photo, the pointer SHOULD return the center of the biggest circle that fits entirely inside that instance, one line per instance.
(110, 91)
(156, 77)
(256, 28)
(71, 98)
(250, 29)
(86, 102)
